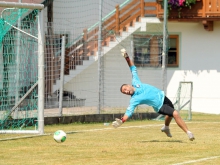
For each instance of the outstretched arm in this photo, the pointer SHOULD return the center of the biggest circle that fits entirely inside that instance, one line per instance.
(125, 55)
(118, 122)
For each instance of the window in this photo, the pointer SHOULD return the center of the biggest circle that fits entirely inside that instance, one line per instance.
(173, 51)
(148, 50)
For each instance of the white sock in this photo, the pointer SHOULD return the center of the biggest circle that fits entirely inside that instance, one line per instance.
(188, 132)
(166, 127)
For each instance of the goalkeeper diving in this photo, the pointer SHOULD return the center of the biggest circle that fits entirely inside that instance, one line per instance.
(146, 94)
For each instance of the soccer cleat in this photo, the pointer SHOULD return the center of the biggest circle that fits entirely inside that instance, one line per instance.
(166, 131)
(191, 136)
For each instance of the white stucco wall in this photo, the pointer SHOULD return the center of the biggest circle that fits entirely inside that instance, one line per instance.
(199, 63)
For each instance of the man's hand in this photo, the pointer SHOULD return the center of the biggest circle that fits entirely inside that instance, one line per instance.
(124, 53)
(117, 123)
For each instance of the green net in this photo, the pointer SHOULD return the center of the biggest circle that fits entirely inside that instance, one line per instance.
(18, 69)
(9, 17)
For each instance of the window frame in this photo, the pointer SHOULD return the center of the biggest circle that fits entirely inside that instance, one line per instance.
(147, 56)
(173, 36)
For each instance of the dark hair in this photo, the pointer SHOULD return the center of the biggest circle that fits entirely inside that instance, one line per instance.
(122, 86)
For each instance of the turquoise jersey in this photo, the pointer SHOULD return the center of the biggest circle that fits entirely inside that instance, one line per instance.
(144, 94)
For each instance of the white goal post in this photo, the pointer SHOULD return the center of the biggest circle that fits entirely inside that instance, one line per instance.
(184, 97)
(40, 82)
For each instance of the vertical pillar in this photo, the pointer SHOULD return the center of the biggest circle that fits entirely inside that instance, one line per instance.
(62, 75)
(18, 64)
(99, 58)
(40, 72)
(164, 53)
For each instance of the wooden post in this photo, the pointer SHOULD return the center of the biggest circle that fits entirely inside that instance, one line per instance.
(142, 8)
(85, 31)
(158, 9)
(85, 44)
(117, 23)
(204, 8)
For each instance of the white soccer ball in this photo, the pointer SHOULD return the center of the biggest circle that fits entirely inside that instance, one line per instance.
(59, 136)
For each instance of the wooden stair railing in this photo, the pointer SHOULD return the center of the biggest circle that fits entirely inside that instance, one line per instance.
(115, 24)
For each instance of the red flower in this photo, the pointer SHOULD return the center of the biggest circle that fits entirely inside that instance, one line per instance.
(181, 2)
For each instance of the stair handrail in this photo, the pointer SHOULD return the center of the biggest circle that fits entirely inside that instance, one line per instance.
(96, 24)
(89, 33)
(108, 15)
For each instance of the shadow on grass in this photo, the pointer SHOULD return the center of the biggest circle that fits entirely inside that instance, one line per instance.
(161, 141)
(73, 132)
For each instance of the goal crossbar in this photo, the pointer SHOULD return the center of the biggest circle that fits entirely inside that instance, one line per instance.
(21, 5)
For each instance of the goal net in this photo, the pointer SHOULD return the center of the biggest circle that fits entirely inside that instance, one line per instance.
(183, 100)
(21, 54)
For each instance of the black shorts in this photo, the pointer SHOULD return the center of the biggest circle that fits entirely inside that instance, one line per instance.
(167, 107)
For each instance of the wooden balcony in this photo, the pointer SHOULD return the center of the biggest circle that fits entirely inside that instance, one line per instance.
(205, 11)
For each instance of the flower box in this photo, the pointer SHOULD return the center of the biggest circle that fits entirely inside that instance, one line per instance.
(191, 10)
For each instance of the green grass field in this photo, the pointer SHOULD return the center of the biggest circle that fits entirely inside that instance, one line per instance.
(134, 143)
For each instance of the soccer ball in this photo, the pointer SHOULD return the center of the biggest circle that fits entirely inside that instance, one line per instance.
(59, 136)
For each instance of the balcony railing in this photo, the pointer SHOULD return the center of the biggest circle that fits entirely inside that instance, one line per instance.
(208, 10)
